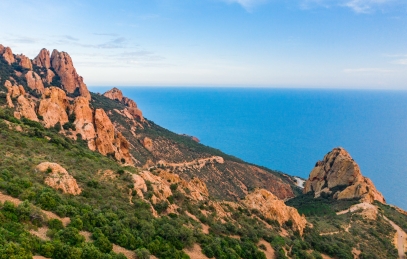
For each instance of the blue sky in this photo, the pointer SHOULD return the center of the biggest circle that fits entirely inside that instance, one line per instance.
(270, 43)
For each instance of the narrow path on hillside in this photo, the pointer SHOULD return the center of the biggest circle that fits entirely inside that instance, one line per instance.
(197, 163)
(400, 238)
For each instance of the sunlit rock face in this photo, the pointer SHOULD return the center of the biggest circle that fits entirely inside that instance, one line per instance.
(338, 169)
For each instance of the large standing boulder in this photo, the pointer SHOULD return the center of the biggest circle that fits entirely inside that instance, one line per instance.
(340, 174)
(58, 178)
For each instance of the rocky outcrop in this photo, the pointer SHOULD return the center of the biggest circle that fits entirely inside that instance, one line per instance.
(147, 144)
(84, 118)
(116, 94)
(24, 61)
(25, 109)
(7, 54)
(58, 178)
(198, 189)
(48, 77)
(273, 208)
(108, 142)
(34, 82)
(139, 185)
(105, 133)
(122, 149)
(42, 59)
(71, 82)
(14, 90)
(129, 102)
(53, 106)
(340, 173)
(161, 186)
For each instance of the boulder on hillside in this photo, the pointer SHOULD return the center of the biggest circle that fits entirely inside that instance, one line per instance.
(58, 178)
(275, 209)
(338, 174)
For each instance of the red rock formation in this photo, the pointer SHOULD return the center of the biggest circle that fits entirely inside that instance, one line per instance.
(62, 64)
(84, 118)
(58, 178)
(122, 149)
(108, 142)
(273, 208)
(7, 54)
(105, 133)
(48, 78)
(25, 62)
(14, 90)
(42, 59)
(338, 169)
(129, 102)
(147, 144)
(53, 106)
(26, 109)
(34, 82)
(116, 94)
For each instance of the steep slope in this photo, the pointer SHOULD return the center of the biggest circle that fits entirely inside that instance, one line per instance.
(113, 125)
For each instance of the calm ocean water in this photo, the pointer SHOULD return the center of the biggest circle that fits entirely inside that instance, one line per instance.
(289, 130)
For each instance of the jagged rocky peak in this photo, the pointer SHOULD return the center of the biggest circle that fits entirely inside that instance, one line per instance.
(116, 94)
(42, 59)
(24, 61)
(339, 175)
(7, 54)
(71, 82)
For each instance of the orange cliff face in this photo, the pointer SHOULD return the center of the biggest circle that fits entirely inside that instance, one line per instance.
(71, 82)
(338, 169)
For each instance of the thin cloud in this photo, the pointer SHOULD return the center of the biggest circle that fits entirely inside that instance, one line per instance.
(23, 39)
(365, 6)
(357, 6)
(402, 62)
(141, 55)
(247, 4)
(367, 70)
(116, 43)
(68, 37)
(106, 34)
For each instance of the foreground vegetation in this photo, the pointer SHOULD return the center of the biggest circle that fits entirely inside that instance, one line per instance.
(105, 210)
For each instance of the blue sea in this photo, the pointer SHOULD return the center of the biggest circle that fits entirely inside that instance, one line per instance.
(291, 129)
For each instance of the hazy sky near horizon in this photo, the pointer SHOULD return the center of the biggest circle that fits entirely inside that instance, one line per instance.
(276, 43)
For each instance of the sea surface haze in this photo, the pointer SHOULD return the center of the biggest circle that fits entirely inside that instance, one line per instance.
(291, 129)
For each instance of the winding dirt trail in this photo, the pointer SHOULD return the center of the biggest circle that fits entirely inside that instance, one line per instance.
(400, 238)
